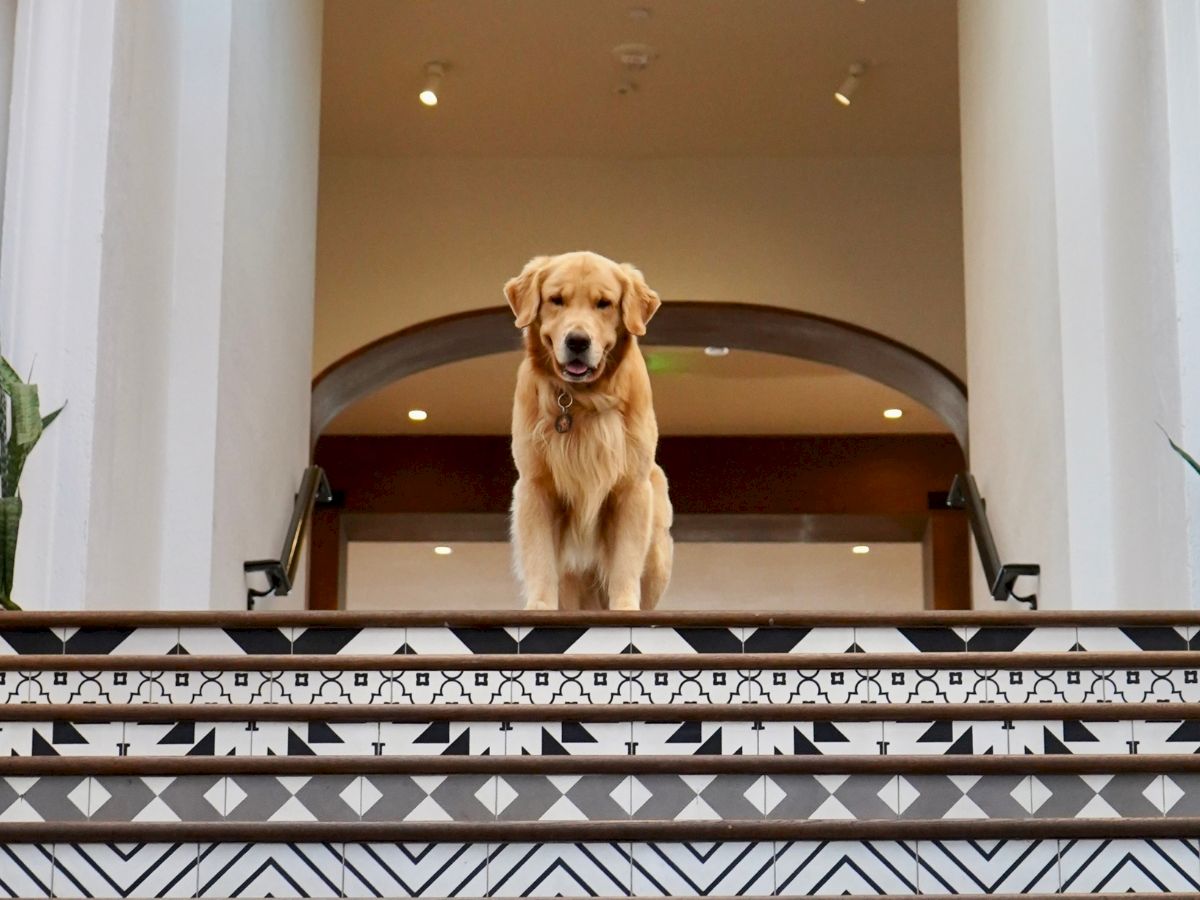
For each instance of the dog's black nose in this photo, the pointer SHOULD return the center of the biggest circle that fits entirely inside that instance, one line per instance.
(578, 343)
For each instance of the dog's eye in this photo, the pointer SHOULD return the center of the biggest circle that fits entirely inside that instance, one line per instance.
(603, 304)
(557, 301)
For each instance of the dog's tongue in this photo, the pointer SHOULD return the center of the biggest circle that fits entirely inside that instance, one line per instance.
(576, 368)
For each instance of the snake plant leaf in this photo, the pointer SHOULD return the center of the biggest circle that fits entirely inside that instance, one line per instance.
(26, 415)
(10, 521)
(8, 376)
(1188, 458)
(50, 417)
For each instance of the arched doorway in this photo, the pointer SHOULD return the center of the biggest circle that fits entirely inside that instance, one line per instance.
(836, 504)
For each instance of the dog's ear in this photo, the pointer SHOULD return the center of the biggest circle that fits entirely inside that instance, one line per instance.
(638, 303)
(524, 291)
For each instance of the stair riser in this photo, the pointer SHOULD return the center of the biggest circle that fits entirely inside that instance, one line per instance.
(803, 868)
(596, 639)
(867, 738)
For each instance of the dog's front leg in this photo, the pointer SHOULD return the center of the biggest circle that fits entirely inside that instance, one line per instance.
(534, 524)
(630, 542)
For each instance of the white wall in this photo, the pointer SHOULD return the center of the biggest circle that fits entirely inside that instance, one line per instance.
(1074, 298)
(157, 263)
(872, 241)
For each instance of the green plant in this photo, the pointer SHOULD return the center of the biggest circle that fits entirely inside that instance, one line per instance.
(1187, 457)
(21, 424)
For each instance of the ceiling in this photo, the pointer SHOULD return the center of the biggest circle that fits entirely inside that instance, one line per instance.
(537, 78)
(743, 393)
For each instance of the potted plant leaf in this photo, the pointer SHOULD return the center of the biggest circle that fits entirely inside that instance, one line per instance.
(21, 425)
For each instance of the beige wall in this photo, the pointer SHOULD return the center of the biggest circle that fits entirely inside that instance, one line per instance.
(876, 242)
(794, 577)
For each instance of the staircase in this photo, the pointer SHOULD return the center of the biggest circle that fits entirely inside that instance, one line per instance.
(354, 755)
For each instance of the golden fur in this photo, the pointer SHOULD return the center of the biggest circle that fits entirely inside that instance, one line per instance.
(591, 516)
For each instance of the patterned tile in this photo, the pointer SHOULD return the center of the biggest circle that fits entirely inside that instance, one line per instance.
(930, 686)
(442, 738)
(25, 870)
(798, 640)
(270, 870)
(234, 641)
(415, 870)
(125, 870)
(31, 640)
(188, 738)
(695, 738)
(668, 639)
(1119, 866)
(1069, 736)
(945, 738)
(696, 869)
(1181, 795)
(910, 640)
(61, 738)
(147, 641)
(1048, 686)
(782, 686)
(31, 799)
(1136, 637)
(568, 738)
(315, 739)
(1027, 639)
(559, 639)
(348, 641)
(1167, 737)
(108, 687)
(821, 738)
(1154, 686)
(569, 686)
(338, 687)
(558, 870)
(833, 868)
(16, 687)
(437, 641)
(448, 687)
(988, 867)
(705, 686)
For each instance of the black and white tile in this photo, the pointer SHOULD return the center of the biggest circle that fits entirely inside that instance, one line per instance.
(1047, 686)
(676, 686)
(62, 739)
(1177, 736)
(557, 639)
(1020, 638)
(786, 686)
(177, 687)
(945, 738)
(988, 867)
(1181, 685)
(125, 870)
(567, 738)
(834, 868)
(821, 738)
(695, 738)
(415, 870)
(798, 640)
(270, 870)
(568, 686)
(698, 869)
(199, 641)
(939, 686)
(1049, 737)
(1120, 866)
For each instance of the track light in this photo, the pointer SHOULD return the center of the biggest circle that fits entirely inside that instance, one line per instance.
(843, 94)
(433, 82)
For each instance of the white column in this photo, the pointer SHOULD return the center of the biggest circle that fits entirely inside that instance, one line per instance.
(159, 230)
(1079, 195)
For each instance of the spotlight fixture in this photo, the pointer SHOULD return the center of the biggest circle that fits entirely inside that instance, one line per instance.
(418, 415)
(433, 82)
(893, 413)
(860, 549)
(716, 351)
(843, 94)
(443, 550)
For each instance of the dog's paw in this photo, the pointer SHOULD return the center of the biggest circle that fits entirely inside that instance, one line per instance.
(540, 604)
(626, 603)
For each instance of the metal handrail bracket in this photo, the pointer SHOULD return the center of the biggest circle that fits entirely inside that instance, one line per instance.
(281, 572)
(1001, 577)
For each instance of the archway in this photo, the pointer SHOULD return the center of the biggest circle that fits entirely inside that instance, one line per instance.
(740, 326)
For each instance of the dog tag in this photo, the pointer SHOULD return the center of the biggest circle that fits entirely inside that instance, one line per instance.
(563, 423)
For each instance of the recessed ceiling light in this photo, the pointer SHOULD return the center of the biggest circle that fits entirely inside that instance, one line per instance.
(433, 82)
(893, 413)
(716, 351)
(843, 94)
(443, 550)
(418, 415)
(860, 549)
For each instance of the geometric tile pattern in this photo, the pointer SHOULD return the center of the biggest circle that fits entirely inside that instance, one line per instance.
(592, 797)
(799, 868)
(578, 639)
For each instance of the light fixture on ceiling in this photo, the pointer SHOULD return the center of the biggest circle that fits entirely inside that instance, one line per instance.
(433, 83)
(854, 74)
(893, 413)
(443, 550)
(418, 415)
(860, 549)
(716, 351)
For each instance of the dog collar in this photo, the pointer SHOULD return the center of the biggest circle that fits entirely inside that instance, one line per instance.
(564, 421)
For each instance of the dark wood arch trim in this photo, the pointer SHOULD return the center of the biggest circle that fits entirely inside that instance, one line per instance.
(688, 323)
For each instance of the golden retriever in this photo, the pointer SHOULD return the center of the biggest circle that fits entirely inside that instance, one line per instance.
(591, 517)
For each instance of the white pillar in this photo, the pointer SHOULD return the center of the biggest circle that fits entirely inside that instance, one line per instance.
(158, 246)
(1080, 204)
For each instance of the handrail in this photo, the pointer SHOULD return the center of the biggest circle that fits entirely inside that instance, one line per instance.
(281, 572)
(964, 494)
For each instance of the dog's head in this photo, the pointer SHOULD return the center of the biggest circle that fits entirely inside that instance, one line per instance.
(580, 307)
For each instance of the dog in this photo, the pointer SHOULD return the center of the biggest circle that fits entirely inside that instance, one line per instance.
(591, 516)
